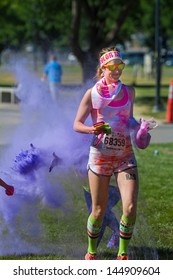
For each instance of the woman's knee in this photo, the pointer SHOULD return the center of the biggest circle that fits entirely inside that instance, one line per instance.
(98, 213)
(130, 210)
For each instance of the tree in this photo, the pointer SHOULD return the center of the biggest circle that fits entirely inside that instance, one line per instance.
(44, 21)
(39, 22)
(90, 25)
(83, 26)
(11, 26)
(96, 24)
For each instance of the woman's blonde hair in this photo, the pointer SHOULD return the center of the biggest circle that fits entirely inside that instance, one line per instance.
(99, 73)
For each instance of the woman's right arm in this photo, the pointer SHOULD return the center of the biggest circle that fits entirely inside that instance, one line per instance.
(83, 112)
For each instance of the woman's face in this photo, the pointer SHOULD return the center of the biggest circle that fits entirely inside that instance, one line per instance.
(112, 74)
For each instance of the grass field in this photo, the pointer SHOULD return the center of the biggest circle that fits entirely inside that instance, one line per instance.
(153, 234)
(72, 74)
(145, 88)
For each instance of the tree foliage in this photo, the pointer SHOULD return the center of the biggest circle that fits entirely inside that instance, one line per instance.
(83, 26)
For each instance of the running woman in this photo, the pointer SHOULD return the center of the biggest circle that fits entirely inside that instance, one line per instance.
(110, 104)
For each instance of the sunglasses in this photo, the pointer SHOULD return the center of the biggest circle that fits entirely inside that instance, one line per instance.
(114, 66)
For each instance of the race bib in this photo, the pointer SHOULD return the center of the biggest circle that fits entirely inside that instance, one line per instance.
(115, 141)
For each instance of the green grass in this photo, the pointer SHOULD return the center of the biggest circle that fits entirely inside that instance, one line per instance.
(72, 74)
(66, 230)
(156, 189)
(140, 79)
(145, 102)
(145, 88)
(6, 78)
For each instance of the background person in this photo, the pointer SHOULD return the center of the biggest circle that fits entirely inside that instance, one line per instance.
(148, 66)
(53, 73)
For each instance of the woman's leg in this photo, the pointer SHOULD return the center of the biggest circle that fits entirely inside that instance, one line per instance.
(128, 185)
(99, 193)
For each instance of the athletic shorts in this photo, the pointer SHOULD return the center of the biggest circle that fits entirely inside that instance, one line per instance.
(107, 165)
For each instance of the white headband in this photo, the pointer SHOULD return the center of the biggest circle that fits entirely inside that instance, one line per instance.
(105, 58)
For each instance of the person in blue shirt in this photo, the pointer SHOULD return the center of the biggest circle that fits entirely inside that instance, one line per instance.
(53, 73)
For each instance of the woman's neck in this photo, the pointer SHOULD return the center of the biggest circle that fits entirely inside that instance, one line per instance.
(109, 82)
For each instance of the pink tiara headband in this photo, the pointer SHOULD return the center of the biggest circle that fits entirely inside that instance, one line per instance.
(105, 58)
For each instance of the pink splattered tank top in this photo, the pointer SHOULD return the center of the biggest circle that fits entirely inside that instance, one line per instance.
(117, 114)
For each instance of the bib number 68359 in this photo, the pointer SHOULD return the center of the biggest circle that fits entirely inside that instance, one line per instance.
(115, 142)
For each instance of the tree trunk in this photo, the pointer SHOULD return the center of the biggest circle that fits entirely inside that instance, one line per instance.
(89, 67)
(96, 37)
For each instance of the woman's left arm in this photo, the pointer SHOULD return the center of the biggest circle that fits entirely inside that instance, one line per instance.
(142, 139)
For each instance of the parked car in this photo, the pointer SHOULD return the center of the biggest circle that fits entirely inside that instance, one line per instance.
(71, 57)
(169, 60)
(132, 58)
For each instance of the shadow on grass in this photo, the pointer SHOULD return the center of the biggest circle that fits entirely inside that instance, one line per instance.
(135, 253)
(142, 253)
(165, 254)
(32, 257)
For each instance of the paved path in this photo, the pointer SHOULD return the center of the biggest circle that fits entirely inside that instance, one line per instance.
(162, 134)
(10, 117)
